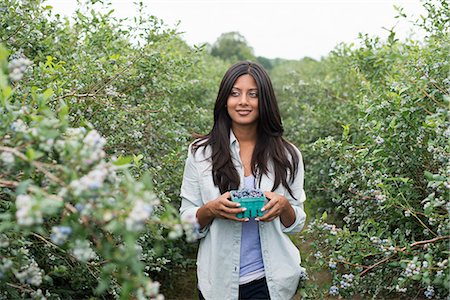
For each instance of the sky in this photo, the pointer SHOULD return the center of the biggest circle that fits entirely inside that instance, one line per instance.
(290, 29)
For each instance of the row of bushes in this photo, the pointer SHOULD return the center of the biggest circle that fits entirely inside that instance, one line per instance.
(96, 116)
(374, 128)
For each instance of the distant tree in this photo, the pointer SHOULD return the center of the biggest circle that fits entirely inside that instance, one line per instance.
(232, 46)
(265, 62)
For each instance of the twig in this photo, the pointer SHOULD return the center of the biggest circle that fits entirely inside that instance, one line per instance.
(352, 264)
(436, 239)
(23, 289)
(36, 164)
(75, 95)
(102, 84)
(375, 265)
(415, 215)
(62, 250)
(426, 110)
(96, 88)
(47, 242)
(415, 244)
(13, 184)
(421, 89)
(9, 184)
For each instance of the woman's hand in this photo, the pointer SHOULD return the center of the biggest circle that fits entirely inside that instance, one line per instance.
(222, 207)
(278, 206)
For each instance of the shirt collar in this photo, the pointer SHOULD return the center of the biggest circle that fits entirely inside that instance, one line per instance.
(232, 137)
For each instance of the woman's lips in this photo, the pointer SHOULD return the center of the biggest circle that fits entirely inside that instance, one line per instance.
(243, 112)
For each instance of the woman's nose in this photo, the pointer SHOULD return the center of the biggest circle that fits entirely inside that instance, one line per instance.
(243, 99)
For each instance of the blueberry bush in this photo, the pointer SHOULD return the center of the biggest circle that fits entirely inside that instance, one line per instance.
(90, 163)
(96, 115)
(375, 132)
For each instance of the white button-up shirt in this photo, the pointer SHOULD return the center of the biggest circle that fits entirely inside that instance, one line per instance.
(219, 249)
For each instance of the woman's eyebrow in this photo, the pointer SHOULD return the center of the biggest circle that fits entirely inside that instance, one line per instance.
(251, 89)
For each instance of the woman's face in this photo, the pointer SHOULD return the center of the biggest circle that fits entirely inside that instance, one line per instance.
(242, 103)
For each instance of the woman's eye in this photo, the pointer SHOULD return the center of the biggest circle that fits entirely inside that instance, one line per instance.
(234, 94)
(253, 95)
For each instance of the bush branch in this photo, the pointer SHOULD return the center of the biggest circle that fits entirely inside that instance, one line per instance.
(35, 164)
(415, 244)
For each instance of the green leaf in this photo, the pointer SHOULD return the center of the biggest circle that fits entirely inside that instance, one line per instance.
(7, 91)
(416, 277)
(346, 131)
(400, 179)
(428, 175)
(137, 159)
(123, 160)
(30, 154)
(324, 216)
(63, 111)
(47, 93)
(23, 186)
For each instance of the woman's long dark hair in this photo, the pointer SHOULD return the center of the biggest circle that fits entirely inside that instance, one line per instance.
(270, 145)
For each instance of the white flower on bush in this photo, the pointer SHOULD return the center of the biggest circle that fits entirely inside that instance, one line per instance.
(400, 290)
(348, 277)
(443, 263)
(303, 274)
(5, 266)
(150, 291)
(139, 215)
(30, 274)
(191, 228)
(136, 134)
(93, 147)
(413, 268)
(60, 234)
(152, 288)
(7, 158)
(82, 251)
(379, 140)
(19, 126)
(75, 132)
(91, 181)
(429, 293)
(332, 264)
(331, 227)
(27, 214)
(334, 290)
(38, 294)
(176, 232)
(375, 240)
(47, 145)
(111, 91)
(379, 196)
(17, 68)
(346, 280)
(4, 240)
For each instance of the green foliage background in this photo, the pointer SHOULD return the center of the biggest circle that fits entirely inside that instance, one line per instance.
(372, 121)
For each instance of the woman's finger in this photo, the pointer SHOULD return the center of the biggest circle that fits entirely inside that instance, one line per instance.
(234, 211)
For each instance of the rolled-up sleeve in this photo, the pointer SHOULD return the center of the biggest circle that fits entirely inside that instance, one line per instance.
(300, 197)
(191, 198)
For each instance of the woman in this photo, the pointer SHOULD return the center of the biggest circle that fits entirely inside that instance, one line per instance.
(245, 258)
